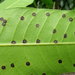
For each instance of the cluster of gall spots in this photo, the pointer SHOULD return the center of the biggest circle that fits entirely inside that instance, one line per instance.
(34, 14)
(4, 21)
(13, 42)
(55, 41)
(64, 15)
(22, 18)
(70, 19)
(27, 63)
(59, 61)
(37, 41)
(24, 41)
(37, 25)
(3, 67)
(12, 65)
(54, 31)
(65, 35)
(47, 14)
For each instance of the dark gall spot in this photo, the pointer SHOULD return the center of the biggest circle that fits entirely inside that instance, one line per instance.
(64, 15)
(13, 42)
(3, 67)
(65, 35)
(1, 19)
(37, 25)
(47, 14)
(59, 61)
(4, 21)
(55, 41)
(54, 31)
(33, 14)
(74, 65)
(43, 73)
(70, 19)
(12, 65)
(27, 63)
(24, 41)
(37, 41)
(22, 18)
(3, 24)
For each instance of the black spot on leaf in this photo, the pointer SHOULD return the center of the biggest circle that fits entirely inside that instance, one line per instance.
(34, 14)
(27, 63)
(59, 61)
(3, 67)
(47, 14)
(22, 18)
(37, 41)
(24, 41)
(12, 65)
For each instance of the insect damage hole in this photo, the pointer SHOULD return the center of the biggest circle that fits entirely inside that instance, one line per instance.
(3, 67)
(27, 63)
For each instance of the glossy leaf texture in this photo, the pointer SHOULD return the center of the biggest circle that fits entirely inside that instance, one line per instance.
(5, 4)
(37, 26)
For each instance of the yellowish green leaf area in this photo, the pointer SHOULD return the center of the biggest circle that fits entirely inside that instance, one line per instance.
(36, 41)
(31, 26)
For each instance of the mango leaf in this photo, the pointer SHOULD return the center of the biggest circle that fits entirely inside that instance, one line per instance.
(37, 41)
(14, 3)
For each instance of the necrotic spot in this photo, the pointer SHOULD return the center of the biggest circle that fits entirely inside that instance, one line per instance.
(59, 61)
(3, 67)
(27, 63)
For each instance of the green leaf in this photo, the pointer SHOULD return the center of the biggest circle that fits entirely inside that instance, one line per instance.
(15, 3)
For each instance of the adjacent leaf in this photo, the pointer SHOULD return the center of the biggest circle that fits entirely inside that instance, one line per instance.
(15, 3)
(49, 3)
